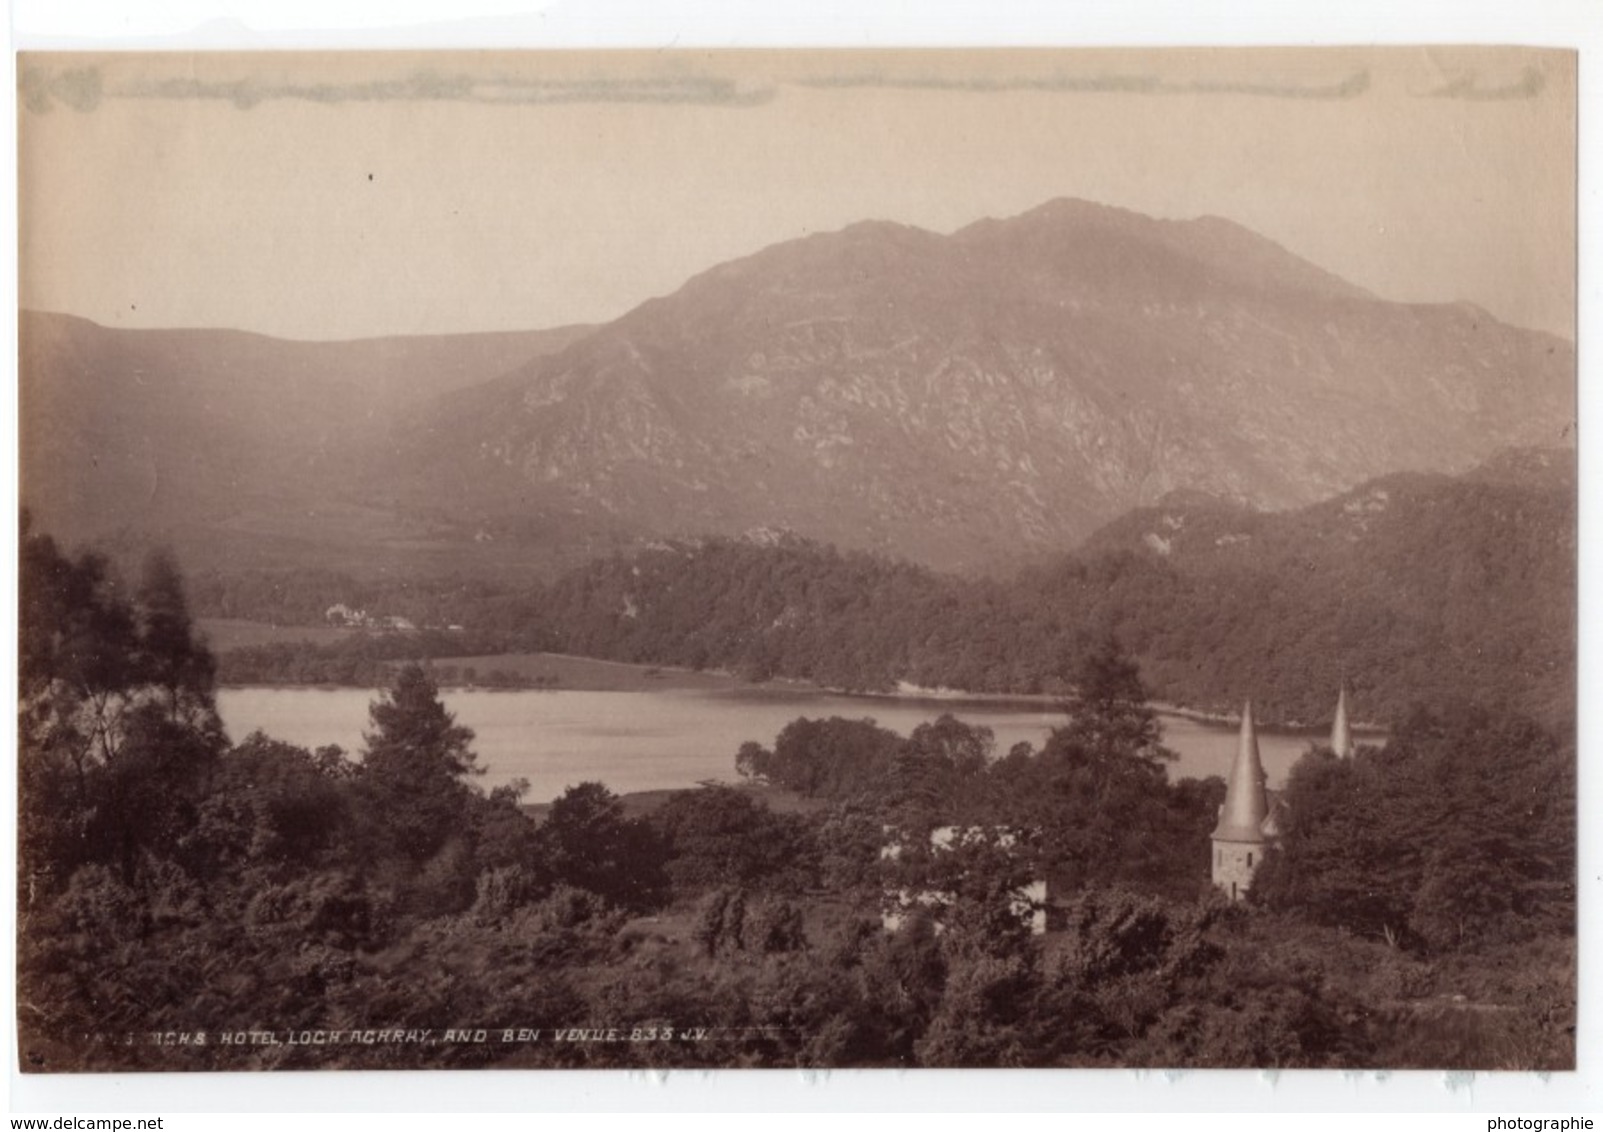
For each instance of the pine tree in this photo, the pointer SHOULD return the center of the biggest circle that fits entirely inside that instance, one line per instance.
(175, 662)
(415, 765)
(413, 729)
(1109, 716)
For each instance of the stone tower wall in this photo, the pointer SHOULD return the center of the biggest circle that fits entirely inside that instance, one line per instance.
(1234, 863)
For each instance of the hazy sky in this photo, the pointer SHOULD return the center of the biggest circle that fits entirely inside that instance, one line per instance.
(318, 196)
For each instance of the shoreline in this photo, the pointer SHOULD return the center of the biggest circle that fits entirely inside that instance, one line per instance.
(542, 672)
(724, 684)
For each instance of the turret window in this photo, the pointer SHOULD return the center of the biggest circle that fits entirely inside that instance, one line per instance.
(1249, 860)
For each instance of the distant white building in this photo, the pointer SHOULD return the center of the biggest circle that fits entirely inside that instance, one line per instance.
(345, 617)
(1029, 901)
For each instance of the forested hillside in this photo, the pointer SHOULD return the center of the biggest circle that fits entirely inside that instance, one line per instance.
(1412, 589)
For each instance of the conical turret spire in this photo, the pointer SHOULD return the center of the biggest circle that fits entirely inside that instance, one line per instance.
(1246, 802)
(1341, 736)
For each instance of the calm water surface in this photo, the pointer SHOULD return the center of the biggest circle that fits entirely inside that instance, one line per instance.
(670, 739)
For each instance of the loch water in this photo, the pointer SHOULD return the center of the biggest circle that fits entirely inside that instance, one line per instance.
(666, 739)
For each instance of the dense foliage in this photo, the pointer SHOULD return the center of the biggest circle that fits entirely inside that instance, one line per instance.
(1460, 830)
(176, 884)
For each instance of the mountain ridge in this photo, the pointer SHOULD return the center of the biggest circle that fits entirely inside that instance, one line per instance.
(950, 395)
(971, 401)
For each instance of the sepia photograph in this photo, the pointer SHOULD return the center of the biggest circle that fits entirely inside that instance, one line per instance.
(773, 559)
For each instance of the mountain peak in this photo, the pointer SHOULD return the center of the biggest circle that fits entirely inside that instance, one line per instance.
(1119, 243)
(879, 229)
(1078, 210)
(1058, 214)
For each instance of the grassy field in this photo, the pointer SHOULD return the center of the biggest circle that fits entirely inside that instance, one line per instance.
(555, 670)
(579, 673)
(223, 634)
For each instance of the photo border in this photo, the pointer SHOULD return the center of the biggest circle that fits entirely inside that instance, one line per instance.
(348, 24)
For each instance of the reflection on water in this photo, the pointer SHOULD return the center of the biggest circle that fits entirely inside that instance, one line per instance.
(667, 739)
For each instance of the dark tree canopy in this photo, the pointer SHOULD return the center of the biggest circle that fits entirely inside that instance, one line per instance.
(589, 842)
(1098, 795)
(1460, 829)
(827, 758)
(414, 766)
(720, 836)
(1110, 717)
(74, 626)
(174, 660)
(412, 729)
(118, 725)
